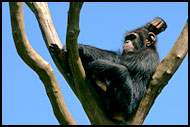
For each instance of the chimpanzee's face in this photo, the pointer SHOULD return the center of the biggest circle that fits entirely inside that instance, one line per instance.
(132, 42)
(135, 41)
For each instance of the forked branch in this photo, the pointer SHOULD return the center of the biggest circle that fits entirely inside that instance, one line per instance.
(38, 64)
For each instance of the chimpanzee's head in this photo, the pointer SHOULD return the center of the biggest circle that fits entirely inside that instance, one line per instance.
(139, 39)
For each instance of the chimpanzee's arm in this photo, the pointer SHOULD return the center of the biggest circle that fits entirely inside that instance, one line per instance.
(156, 26)
(87, 53)
(90, 53)
(95, 52)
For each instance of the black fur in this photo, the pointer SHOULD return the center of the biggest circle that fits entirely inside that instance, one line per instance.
(128, 74)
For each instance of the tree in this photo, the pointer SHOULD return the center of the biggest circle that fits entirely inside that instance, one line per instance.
(80, 86)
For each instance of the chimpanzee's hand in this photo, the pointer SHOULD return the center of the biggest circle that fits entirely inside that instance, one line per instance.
(157, 25)
(54, 49)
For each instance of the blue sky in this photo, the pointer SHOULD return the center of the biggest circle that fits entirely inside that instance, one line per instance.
(24, 100)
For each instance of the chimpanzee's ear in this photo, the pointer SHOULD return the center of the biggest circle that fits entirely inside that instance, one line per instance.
(150, 39)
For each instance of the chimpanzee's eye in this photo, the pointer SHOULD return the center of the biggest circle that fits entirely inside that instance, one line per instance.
(130, 37)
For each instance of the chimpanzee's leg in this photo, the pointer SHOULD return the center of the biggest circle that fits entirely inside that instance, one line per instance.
(107, 69)
(119, 91)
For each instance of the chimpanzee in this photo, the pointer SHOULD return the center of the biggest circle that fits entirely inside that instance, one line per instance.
(126, 75)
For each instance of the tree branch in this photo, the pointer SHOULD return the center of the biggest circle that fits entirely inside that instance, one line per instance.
(40, 9)
(88, 97)
(50, 36)
(163, 74)
(38, 64)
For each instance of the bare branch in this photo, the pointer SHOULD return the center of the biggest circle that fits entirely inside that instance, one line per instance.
(163, 74)
(88, 97)
(41, 11)
(50, 36)
(71, 40)
(38, 64)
